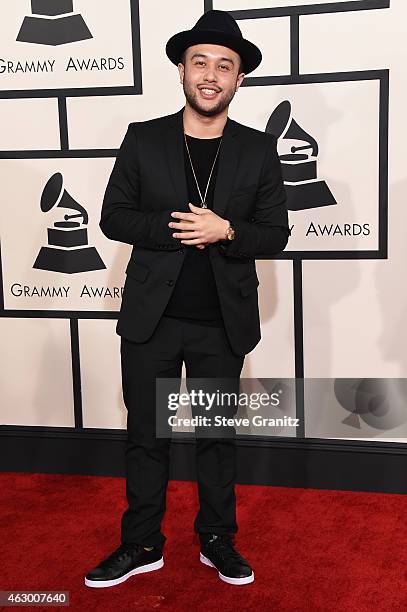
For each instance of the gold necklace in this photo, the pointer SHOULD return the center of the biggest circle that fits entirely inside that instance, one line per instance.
(203, 199)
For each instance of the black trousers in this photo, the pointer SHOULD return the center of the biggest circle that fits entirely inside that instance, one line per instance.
(206, 352)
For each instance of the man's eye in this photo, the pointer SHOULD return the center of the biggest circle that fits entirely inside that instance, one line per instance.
(224, 66)
(199, 62)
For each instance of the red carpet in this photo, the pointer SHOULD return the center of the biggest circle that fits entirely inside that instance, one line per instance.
(310, 550)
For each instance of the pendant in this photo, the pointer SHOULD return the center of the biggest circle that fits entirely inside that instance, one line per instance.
(203, 205)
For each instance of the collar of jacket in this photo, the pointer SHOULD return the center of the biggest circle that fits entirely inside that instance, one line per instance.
(227, 165)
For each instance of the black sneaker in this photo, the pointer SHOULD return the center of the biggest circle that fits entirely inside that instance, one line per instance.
(218, 551)
(127, 560)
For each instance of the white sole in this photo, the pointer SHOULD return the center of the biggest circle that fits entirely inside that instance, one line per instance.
(150, 567)
(245, 580)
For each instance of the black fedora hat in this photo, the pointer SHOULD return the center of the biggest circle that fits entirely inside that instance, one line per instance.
(217, 28)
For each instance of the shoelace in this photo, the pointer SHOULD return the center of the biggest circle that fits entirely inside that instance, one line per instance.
(223, 546)
(121, 553)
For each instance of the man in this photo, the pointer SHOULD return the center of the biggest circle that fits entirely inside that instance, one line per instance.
(199, 196)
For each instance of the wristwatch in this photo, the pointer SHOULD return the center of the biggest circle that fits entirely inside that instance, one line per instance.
(230, 233)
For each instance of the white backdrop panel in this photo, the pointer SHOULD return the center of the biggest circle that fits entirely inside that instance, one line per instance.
(353, 320)
(350, 41)
(102, 400)
(24, 233)
(36, 373)
(74, 64)
(272, 36)
(29, 125)
(273, 357)
(86, 130)
(343, 118)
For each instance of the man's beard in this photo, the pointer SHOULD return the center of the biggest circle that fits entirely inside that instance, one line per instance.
(192, 97)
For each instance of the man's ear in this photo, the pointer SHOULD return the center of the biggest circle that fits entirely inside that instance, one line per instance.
(240, 79)
(181, 72)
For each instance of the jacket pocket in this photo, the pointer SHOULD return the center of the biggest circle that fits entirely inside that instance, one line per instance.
(137, 271)
(249, 284)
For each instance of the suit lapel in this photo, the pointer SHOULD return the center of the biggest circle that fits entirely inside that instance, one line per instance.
(228, 159)
(174, 145)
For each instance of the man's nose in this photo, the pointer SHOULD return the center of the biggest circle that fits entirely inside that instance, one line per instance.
(210, 74)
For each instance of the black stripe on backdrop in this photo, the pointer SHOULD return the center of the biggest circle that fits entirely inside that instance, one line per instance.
(63, 123)
(295, 44)
(66, 154)
(303, 9)
(383, 163)
(76, 373)
(83, 92)
(298, 346)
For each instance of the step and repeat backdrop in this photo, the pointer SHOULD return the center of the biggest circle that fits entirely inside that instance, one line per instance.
(74, 73)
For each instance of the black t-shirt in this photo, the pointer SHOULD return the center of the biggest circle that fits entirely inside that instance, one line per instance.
(195, 296)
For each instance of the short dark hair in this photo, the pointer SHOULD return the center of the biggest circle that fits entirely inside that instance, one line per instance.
(241, 66)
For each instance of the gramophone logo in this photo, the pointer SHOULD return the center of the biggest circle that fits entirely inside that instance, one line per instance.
(53, 23)
(303, 187)
(378, 402)
(68, 249)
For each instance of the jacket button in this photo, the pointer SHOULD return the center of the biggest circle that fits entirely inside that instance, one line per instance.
(170, 283)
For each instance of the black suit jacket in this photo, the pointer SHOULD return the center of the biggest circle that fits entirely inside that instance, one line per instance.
(148, 182)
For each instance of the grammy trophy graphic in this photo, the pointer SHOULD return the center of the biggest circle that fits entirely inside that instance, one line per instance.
(68, 249)
(53, 22)
(303, 188)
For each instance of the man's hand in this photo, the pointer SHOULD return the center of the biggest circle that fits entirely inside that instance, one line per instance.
(200, 227)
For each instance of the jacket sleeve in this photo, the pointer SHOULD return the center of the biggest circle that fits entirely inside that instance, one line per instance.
(268, 231)
(121, 218)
